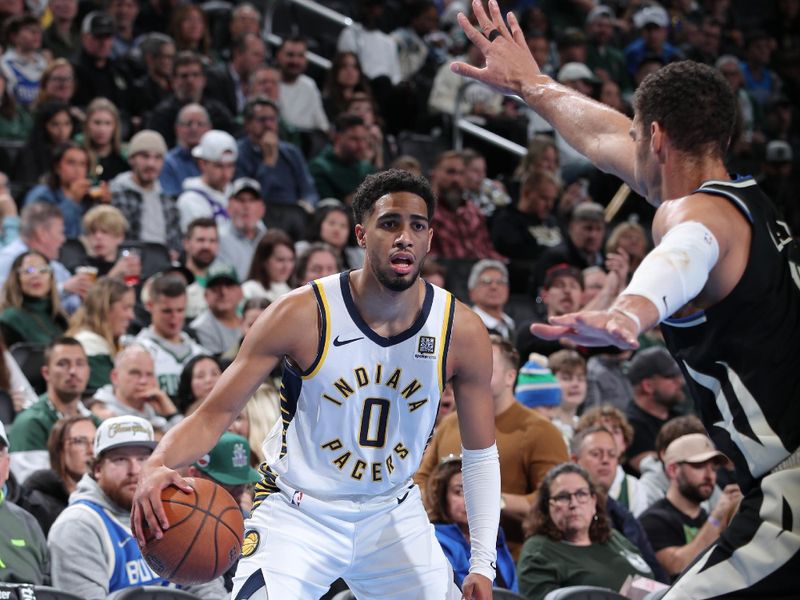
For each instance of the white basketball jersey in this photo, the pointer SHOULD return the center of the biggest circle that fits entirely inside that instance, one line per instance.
(356, 423)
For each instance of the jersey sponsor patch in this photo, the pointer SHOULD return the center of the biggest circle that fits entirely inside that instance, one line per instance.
(426, 347)
(250, 542)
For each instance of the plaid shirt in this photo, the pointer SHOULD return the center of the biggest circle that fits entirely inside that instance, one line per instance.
(129, 202)
(461, 233)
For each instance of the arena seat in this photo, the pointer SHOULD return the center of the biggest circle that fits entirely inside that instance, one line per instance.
(584, 592)
(152, 592)
(43, 592)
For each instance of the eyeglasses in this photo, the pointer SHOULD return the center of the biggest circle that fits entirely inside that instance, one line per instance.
(563, 499)
(43, 270)
(79, 441)
(491, 280)
(193, 123)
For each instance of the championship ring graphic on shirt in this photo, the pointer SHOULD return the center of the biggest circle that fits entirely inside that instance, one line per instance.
(250, 542)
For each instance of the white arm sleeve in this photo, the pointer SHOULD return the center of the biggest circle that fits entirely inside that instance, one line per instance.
(677, 269)
(481, 472)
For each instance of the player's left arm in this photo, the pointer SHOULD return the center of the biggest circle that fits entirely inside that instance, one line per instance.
(471, 358)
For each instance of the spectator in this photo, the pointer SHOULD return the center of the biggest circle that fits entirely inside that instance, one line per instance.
(602, 56)
(45, 493)
(99, 325)
(52, 127)
(632, 239)
(379, 146)
(228, 79)
(317, 261)
(218, 327)
(271, 268)
(278, 166)
(23, 545)
(207, 195)
(23, 61)
(569, 368)
(158, 55)
(15, 122)
(101, 138)
(653, 25)
(300, 99)
(134, 391)
(706, 49)
(487, 194)
(657, 392)
(570, 509)
(201, 246)
(62, 37)
(239, 237)
(191, 125)
(331, 224)
(529, 445)
(606, 379)
(434, 273)
(461, 230)
(777, 181)
(677, 526)
(488, 291)
(538, 389)
(477, 99)
(58, 85)
(444, 500)
(31, 309)
(189, 29)
(344, 79)
(760, 81)
(198, 378)
(542, 155)
(123, 14)
(169, 345)
(90, 542)
(66, 372)
(265, 81)
(749, 111)
(421, 47)
(9, 220)
(153, 216)
(376, 50)
(339, 168)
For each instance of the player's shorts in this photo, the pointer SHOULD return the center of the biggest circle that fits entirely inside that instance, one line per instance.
(758, 554)
(296, 546)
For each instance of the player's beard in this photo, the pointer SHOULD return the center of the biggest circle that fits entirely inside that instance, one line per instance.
(390, 280)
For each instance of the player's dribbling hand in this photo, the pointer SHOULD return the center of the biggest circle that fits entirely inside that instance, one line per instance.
(591, 328)
(476, 587)
(147, 509)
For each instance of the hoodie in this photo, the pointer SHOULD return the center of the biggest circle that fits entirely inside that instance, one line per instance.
(94, 555)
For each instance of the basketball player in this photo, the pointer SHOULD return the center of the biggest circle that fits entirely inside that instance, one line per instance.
(366, 355)
(722, 281)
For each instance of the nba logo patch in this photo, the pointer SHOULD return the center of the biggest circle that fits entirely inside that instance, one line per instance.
(427, 344)
(297, 498)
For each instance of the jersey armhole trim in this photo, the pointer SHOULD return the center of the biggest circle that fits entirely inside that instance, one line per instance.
(447, 329)
(324, 333)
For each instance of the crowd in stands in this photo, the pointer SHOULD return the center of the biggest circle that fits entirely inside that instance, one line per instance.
(167, 171)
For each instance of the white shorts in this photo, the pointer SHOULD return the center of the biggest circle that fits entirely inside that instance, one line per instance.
(296, 546)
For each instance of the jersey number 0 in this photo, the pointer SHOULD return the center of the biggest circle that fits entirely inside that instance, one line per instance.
(373, 429)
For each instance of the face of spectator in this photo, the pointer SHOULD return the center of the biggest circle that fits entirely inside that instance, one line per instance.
(593, 281)
(146, 167)
(28, 39)
(668, 391)
(67, 372)
(254, 54)
(59, 128)
(548, 161)
(601, 30)
(188, 83)
(599, 456)
(78, 448)
(610, 95)
(103, 244)
(49, 238)
(35, 276)
(634, 243)
(190, 127)
(349, 72)
(223, 298)
(217, 174)
(448, 180)
(249, 317)
(246, 209)
(120, 313)
(539, 200)
(117, 473)
(616, 431)
(101, 126)
(456, 507)
(74, 165)
(335, 229)
(202, 246)
(320, 264)
(654, 36)
(98, 47)
(291, 60)
(168, 315)
(759, 51)
(571, 506)
(163, 60)
(123, 12)
(363, 109)
(711, 38)
(61, 85)
(587, 235)
(135, 377)
(63, 10)
(240, 425)
(490, 291)
(265, 118)
(573, 387)
(695, 481)
(540, 49)
(563, 296)
(244, 20)
(447, 403)
(12, 8)
(193, 27)
(265, 82)
(351, 144)
(280, 264)
(205, 374)
(475, 173)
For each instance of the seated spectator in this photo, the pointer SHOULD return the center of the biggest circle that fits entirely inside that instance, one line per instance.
(123, 13)
(239, 237)
(538, 389)
(376, 50)
(606, 379)
(434, 273)
(444, 500)
(245, 18)
(66, 372)
(265, 81)
(487, 194)
(569, 368)
(380, 146)
(196, 381)
(62, 37)
(58, 85)
(653, 25)
(101, 138)
(134, 390)
(603, 56)
(99, 325)
(300, 99)
(227, 79)
(572, 542)
(23, 62)
(478, 99)
(191, 124)
(760, 81)
(52, 127)
(22, 545)
(678, 527)
(15, 121)
(488, 292)
(343, 80)
(151, 213)
(339, 168)
(251, 310)
(207, 195)
(170, 347)
(542, 155)
(45, 494)
(104, 228)
(632, 239)
(189, 29)
(218, 327)
(158, 55)
(421, 46)
(31, 308)
(92, 549)
(277, 165)
(331, 225)
(271, 268)
(201, 246)
(317, 261)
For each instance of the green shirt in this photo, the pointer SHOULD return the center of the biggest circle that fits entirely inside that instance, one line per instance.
(23, 549)
(32, 426)
(32, 322)
(335, 178)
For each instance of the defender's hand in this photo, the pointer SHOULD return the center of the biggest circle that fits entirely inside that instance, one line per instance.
(591, 328)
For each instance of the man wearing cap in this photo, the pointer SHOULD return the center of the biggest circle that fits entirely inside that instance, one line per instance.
(677, 526)
(90, 543)
(488, 292)
(602, 56)
(207, 195)
(657, 391)
(152, 215)
(653, 25)
(23, 549)
(239, 237)
(218, 328)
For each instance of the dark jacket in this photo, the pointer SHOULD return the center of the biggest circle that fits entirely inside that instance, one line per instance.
(162, 118)
(623, 521)
(44, 495)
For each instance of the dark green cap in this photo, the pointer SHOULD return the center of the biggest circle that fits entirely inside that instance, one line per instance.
(229, 461)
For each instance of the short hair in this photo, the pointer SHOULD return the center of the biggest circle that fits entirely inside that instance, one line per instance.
(566, 360)
(693, 103)
(249, 108)
(447, 155)
(675, 428)
(377, 185)
(169, 285)
(301, 264)
(436, 489)
(200, 223)
(482, 265)
(534, 177)
(239, 44)
(36, 215)
(507, 349)
(576, 443)
(596, 414)
(127, 351)
(105, 218)
(346, 121)
(294, 38)
(63, 340)
(185, 58)
(152, 43)
(192, 106)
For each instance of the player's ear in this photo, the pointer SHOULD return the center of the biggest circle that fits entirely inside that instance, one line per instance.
(657, 138)
(361, 235)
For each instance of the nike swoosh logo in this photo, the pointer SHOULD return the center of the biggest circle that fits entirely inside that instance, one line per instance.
(402, 498)
(123, 542)
(338, 342)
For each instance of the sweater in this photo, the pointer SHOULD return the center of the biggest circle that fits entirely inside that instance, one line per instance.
(23, 552)
(31, 322)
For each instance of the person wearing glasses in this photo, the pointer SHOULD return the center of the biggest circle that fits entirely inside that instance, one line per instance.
(488, 292)
(571, 540)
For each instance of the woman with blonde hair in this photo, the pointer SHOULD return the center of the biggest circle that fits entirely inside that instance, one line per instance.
(99, 323)
(101, 138)
(632, 238)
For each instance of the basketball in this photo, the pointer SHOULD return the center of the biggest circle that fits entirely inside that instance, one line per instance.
(204, 537)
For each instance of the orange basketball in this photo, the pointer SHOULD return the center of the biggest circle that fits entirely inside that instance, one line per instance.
(204, 537)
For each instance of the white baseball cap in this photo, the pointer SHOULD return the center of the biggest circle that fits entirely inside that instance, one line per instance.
(123, 431)
(651, 15)
(216, 146)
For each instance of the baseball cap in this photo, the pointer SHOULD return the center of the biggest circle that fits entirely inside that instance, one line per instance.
(599, 11)
(651, 15)
(651, 362)
(245, 183)
(98, 24)
(779, 151)
(562, 270)
(126, 430)
(692, 448)
(221, 274)
(571, 36)
(537, 386)
(229, 461)
(588, 211)
(216, 146)
(147, 140)
(3, 436)
(575, 71)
